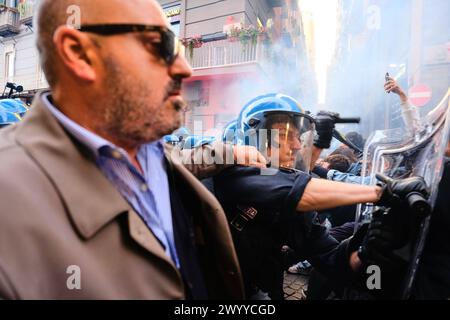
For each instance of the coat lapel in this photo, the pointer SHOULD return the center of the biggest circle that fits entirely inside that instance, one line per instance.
(142, 235)
(211, 221)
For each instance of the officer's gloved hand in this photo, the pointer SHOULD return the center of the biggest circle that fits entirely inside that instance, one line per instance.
(395, 191)
(377, 242)
(325, 123)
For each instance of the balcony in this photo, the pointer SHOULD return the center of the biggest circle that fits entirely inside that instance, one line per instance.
(9, 21)
(225, 54)
(26, 10)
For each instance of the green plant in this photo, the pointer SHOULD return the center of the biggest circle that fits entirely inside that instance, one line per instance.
(191, 43)
(246, 34)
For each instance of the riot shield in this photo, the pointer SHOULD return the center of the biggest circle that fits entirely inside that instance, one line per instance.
(401, 153)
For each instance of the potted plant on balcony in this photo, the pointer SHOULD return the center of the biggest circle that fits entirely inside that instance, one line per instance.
(246, 34)
(192, 43)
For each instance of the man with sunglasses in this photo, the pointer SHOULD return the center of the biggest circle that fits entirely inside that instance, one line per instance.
(97, 209)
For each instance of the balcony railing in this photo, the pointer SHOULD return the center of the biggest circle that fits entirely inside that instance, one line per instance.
(9, 21)
(224, 53)
(26, 10)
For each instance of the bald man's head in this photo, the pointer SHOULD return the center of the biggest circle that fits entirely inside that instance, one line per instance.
(55, 13)
(121, 85)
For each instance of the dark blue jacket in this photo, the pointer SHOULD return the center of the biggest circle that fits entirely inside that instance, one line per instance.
(264, 206)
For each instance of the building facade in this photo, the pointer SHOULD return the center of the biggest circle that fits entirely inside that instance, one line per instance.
(410, 40)
(266, 53)
(19, 62)
(229, 69)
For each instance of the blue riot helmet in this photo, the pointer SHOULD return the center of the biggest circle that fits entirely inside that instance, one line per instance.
(182, 133)
(229, 132)
(7, 118)
(14, 106)
(195, 141)
(171, 139)
(280, 129)
(189, 142)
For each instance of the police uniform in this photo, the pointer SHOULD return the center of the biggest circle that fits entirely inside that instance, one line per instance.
(261, 210)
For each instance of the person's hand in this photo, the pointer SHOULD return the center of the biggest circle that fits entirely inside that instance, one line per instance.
(325, 123)
(249, 156)
(392, 86)
(395, 191)
(379, 240)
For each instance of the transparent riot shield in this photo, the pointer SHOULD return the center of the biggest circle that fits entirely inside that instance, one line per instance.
(402, 153)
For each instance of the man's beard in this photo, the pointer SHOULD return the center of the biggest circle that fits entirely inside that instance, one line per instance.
(128, 117)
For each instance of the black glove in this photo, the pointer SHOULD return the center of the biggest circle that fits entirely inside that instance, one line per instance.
(325, 123)
(377, 242)
(395, 191)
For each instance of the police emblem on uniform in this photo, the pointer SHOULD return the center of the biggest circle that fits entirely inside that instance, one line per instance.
(245, 215)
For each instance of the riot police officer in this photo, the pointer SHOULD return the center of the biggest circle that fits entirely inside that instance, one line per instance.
(272, 207)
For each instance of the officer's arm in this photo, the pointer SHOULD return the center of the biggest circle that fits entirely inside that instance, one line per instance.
(209, 159)
(324, 194)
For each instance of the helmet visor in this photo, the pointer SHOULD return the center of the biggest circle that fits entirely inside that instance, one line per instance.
(287, 139)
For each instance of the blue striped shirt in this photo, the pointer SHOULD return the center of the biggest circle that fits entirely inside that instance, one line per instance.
(148, 193)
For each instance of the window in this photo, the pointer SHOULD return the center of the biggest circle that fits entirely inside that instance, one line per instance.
(9, 66)
(9, 3)
(176, 28)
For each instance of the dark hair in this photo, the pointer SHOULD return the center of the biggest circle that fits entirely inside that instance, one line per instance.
(338, 162)
(345, 152)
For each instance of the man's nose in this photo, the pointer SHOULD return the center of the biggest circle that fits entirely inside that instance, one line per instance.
(180, 68)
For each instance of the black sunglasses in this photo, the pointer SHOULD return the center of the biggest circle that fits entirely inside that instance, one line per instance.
(169, 48)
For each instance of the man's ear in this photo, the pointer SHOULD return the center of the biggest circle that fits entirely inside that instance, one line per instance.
(76, 52)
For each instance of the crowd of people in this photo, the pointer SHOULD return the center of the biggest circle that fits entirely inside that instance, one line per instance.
(141, 217)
